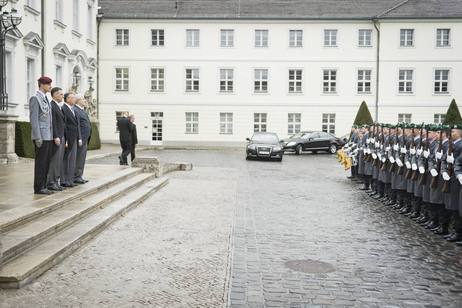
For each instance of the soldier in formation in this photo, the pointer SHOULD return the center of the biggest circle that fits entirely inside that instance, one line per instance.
(414, 169)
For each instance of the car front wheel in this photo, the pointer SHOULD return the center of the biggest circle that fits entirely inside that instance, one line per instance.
(333, 149)
(298, 149)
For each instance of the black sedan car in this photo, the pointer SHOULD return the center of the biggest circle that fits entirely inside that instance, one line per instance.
(312, 141)
(264, 145)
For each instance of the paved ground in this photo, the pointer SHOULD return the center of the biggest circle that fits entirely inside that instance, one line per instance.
(173, 251)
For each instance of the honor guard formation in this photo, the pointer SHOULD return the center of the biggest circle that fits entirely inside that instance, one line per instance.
(413, 169)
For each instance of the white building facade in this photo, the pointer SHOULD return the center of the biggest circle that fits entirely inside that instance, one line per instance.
(56, 38)
(214, 81)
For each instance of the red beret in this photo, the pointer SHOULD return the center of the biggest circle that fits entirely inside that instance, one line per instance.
(45, 80)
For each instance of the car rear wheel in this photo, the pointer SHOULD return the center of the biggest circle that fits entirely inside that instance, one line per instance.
(247, 158)
(298, 149)
(333, 149)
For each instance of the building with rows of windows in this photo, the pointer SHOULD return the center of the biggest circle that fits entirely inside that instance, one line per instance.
(56, 38)
(213, 72)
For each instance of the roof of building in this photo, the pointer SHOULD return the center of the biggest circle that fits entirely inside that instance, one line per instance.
(280, 9)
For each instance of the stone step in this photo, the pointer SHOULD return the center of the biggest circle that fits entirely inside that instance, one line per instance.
(26, 236)
(39, 259)
(10, 219)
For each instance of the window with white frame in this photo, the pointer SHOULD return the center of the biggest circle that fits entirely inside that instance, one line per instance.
(121, 79)
(261, 81)
(406, 37)
(438, 118)
(76, 15)
(90, 21)
(328, 123)
(259, 122)
(59, 75)
(295, 38)
(294, 123)
(226, 38)
(364, 81)
(59, 10)
(404, 117)
(441, 81)
(157, 79)
(192, 37)
(226, 80)
(30, 77)
(295, 80)
(226, 123)
(157, 37)
(261, 38)
(365, 38)
(405, 83)
(122, 37)
(329, 84)
(192, 80)
(442, 37)
(192, 122)
(330, 38)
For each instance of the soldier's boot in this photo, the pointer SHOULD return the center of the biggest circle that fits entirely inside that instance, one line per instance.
(442, 230)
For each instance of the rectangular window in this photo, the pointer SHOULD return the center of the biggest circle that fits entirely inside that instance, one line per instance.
(294, 123)
(122, 37)
(295, 38)
(192, 38)
(295, 81)
(76, 16)
(226, 123)
(157, 37)
(119, 115)
(404, 117)
(259, 122)
(365, 38)
(364, 81)
(328, 123)
(441, 82)
(438, 118)
(226, 80)
(59, 75)
(406, 37)
(59, 10)
(121, 79)
(30, 77)
(329, 84)
(405, 84)
(227, 38)
(192, 122)
(192, 80)
(442, 37)
(157, 80)
(261, 38)
(261, 81)
(330, 38)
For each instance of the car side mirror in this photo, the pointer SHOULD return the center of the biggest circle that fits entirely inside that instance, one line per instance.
(248, 139)
(310, 139)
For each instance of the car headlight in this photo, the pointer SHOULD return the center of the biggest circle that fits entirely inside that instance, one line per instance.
(252, 147)
(291, 144)
(277, 149)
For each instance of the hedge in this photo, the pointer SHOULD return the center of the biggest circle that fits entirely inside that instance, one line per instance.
(24, 147)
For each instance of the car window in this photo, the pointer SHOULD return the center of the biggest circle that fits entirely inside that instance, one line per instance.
(306, 136)
(265, 138)
(315, 135)
(325, 135)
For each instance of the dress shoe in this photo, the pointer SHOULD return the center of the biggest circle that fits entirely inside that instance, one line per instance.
(68, 185)
(414, 215)
(430, 225)
(350, 177)
(54, 188)
(79, 182)
(43, 192)
(454, 237)
(364, 188)
(435, 228)
(62, 187)
(443, 230)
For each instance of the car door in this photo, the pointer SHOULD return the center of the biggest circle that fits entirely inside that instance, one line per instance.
(324, 140)
(310, 140)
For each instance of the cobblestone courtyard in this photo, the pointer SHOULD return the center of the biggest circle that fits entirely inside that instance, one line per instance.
(227, 232)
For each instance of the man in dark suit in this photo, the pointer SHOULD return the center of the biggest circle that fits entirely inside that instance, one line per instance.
(134, 137)
(54, 173)
(125, 130)
(85, 133)
(40, 117)
(73, 140)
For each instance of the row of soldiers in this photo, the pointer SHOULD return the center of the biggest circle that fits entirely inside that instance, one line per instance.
(414, 169)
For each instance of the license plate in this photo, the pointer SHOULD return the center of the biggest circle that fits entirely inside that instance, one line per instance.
(264, 152)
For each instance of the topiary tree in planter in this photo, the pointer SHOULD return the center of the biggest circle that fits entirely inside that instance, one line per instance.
(363, 116)
(95, 142)
(453, 115)
(24, 147)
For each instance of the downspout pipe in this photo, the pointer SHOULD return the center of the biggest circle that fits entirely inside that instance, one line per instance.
(377, 69)
(99, 17)
(42, 26)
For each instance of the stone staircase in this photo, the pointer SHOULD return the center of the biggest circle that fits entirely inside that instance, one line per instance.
(40, 234)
